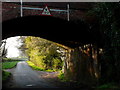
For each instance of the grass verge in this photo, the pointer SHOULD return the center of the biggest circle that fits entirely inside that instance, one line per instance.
(31, 64)
(61, 76)
(5, 75)
(108, 85)
(6, 59)
(7, 65)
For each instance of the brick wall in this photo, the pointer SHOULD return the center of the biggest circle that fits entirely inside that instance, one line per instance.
(12, 10)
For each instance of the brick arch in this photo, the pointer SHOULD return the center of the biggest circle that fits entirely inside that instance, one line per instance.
(72, 34)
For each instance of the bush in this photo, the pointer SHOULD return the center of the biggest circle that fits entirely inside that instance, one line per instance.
(61, 76)
(43, 53)
(57, 63)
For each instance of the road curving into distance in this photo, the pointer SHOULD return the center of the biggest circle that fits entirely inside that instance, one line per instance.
(24, 76)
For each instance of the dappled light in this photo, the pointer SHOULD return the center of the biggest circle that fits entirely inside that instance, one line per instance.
(43, 53)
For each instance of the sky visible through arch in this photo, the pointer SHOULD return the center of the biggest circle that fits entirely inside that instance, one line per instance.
(12, 45)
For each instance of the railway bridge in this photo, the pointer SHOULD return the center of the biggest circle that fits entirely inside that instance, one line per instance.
(77, 36)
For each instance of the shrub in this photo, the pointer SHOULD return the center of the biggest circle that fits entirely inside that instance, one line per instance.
(43, 53)
(57, 63)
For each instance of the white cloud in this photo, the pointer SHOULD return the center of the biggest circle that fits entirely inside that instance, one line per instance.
(12, 52)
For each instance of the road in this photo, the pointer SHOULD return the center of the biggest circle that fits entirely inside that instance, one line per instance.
(24, 76)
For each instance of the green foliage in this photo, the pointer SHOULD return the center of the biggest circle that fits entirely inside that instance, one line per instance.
(12, 59)
(108, 86)
(50, 70)
(62, 77)
(6, 59)
(57, 63)
(37, 68)
(43, 53)
(7, 65)
(107, 14)
(34, 66)
(5, 75)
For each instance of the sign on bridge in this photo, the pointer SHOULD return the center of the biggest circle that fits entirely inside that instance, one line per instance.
(46, 12)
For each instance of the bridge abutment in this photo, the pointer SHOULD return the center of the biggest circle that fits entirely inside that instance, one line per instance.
(78, 67)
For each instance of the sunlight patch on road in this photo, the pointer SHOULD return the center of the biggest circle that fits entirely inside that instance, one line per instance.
(30, 85)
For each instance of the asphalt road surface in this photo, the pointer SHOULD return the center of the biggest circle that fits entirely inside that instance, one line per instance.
(24, 76)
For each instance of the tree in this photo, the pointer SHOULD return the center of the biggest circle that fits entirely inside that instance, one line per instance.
(43, 53)
(109, 21)
(3, 50)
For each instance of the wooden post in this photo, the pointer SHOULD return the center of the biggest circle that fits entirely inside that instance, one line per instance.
(3, 52)
(68, 14)
(21, 9)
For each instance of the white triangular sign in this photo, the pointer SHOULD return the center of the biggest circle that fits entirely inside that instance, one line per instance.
(46, 11)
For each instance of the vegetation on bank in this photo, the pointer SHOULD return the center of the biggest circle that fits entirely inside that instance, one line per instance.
(108, 86)
(5, 75)
(107, 14)
(7, 65)
(31, 64)
(13, 59)
(61, 76)
(6, 59)
(43, 53)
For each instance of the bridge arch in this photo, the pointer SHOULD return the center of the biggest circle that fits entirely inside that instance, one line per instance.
(51, 28)
(71, 34)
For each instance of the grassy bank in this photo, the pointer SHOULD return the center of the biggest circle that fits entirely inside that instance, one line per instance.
(6, 59)
(31, 64)
(12, 59)
(108, 86)
(5, 75)
(7, 65)
(61, 76)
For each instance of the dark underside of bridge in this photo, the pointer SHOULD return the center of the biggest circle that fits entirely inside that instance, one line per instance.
(72, 33)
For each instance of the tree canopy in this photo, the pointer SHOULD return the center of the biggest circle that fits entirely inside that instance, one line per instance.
(108, 14)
